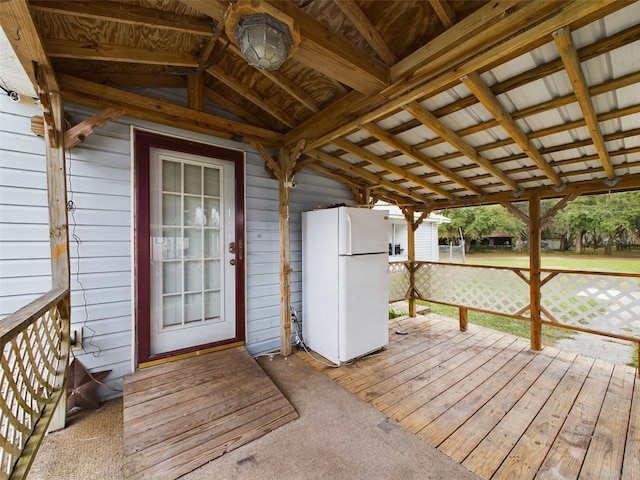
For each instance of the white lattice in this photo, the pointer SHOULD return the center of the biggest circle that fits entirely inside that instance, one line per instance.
(398, 281)
(491, 289)
(605, 303)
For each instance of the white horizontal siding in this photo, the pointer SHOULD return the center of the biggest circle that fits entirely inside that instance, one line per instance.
(25, 267)
(100, 186)
(426, 242)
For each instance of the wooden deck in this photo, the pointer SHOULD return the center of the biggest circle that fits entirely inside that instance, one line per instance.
(498, 408)
(182, 414)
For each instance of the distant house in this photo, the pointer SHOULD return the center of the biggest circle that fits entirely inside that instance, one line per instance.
(499, 238)
(426, 235)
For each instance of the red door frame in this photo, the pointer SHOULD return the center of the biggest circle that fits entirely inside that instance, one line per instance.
(143, 142)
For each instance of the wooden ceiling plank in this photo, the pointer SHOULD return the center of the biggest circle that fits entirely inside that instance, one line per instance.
(361, 172)
(375, 160)
(411, 152)
(571, 62)
(127, 14)
(231, 107)
(474, 83)
(251, 95)
(445, 13)
(139, 106)
(332, 55)
(117, 53)
(447, 134)
(367, 29)
(18, 26)
(215, 9)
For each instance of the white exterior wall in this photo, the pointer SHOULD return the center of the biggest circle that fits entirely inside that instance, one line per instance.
(25, 265)
(426, 242)
(100, 185)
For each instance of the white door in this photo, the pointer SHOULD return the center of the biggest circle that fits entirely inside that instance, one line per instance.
(192, 278)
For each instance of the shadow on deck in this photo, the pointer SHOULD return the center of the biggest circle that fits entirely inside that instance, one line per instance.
(500, 409)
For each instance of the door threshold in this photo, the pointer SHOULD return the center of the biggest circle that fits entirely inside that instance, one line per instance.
(195, 353)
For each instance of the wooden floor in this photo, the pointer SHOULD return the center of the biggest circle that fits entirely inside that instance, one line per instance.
(182, 414)
(498, 408)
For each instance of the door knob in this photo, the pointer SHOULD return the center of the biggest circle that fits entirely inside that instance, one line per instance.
(232, 261)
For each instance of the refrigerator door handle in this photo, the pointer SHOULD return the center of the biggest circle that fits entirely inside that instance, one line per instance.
(348, 233)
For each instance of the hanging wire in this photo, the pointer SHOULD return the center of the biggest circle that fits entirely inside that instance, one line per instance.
(71, 208)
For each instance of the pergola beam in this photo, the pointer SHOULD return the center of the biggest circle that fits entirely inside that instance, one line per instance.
(474, 83)
(571, 62)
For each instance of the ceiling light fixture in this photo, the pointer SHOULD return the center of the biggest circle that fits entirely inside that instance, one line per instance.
(266, 37)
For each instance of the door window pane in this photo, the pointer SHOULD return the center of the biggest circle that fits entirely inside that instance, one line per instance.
(171, 176)
(192, 307)
(212, 182)
(212, 243)
(212, 210)
(193, 276)
(193, 214)
(212, 275)
(171, 209)
(193, 243)
(172, 277)
(172, 243)
(192, 180)
(212, 305)
(171, 310)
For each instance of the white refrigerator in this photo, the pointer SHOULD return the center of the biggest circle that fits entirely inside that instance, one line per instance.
(345, 293)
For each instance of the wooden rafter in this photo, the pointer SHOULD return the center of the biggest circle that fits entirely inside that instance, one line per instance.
(137, 106)
(376, 160)
(420, 157)
(369, 32)
(117, 53)
(231, 107)
(251, 95)
(358, 109)
(332, 55)
(76, 134)
(127, 14)
(448, 135)
(506, 121)
(445, 13)
(569, 56)
(557, 207)
(371, 177)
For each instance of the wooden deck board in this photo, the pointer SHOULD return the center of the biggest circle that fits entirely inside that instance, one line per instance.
(212, 404)
(499, 408)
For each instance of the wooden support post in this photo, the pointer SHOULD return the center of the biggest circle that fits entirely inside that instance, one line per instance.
(464, 318)
(58, 230)
(411, 257)
(534, 270)
(285, 270)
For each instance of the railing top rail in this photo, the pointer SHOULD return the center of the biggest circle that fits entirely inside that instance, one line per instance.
(18, 321)
(526, 269)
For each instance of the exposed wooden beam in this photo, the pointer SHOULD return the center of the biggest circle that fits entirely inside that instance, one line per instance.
(367, 29)
(447, 134)
(76, 134)
(569, 56)
(251, 95)
(515, 211)
(117, 53)
(474, 83)
(332, 55)
(195, 89)
(344, 116)
(557, 207)
(215, 9)
(335, 174)
(371, 177)
(445, 13)
(268, 159)
(419, 157)
(128, 80)
(376, 160)
(18, 26)
(165, 113)
(127, 14)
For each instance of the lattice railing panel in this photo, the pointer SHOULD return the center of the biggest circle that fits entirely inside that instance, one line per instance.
(32, 369)
(399, 283)
(605, 303)
(481, 288)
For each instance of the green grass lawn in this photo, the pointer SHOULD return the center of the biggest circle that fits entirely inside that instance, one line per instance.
(563, 261)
